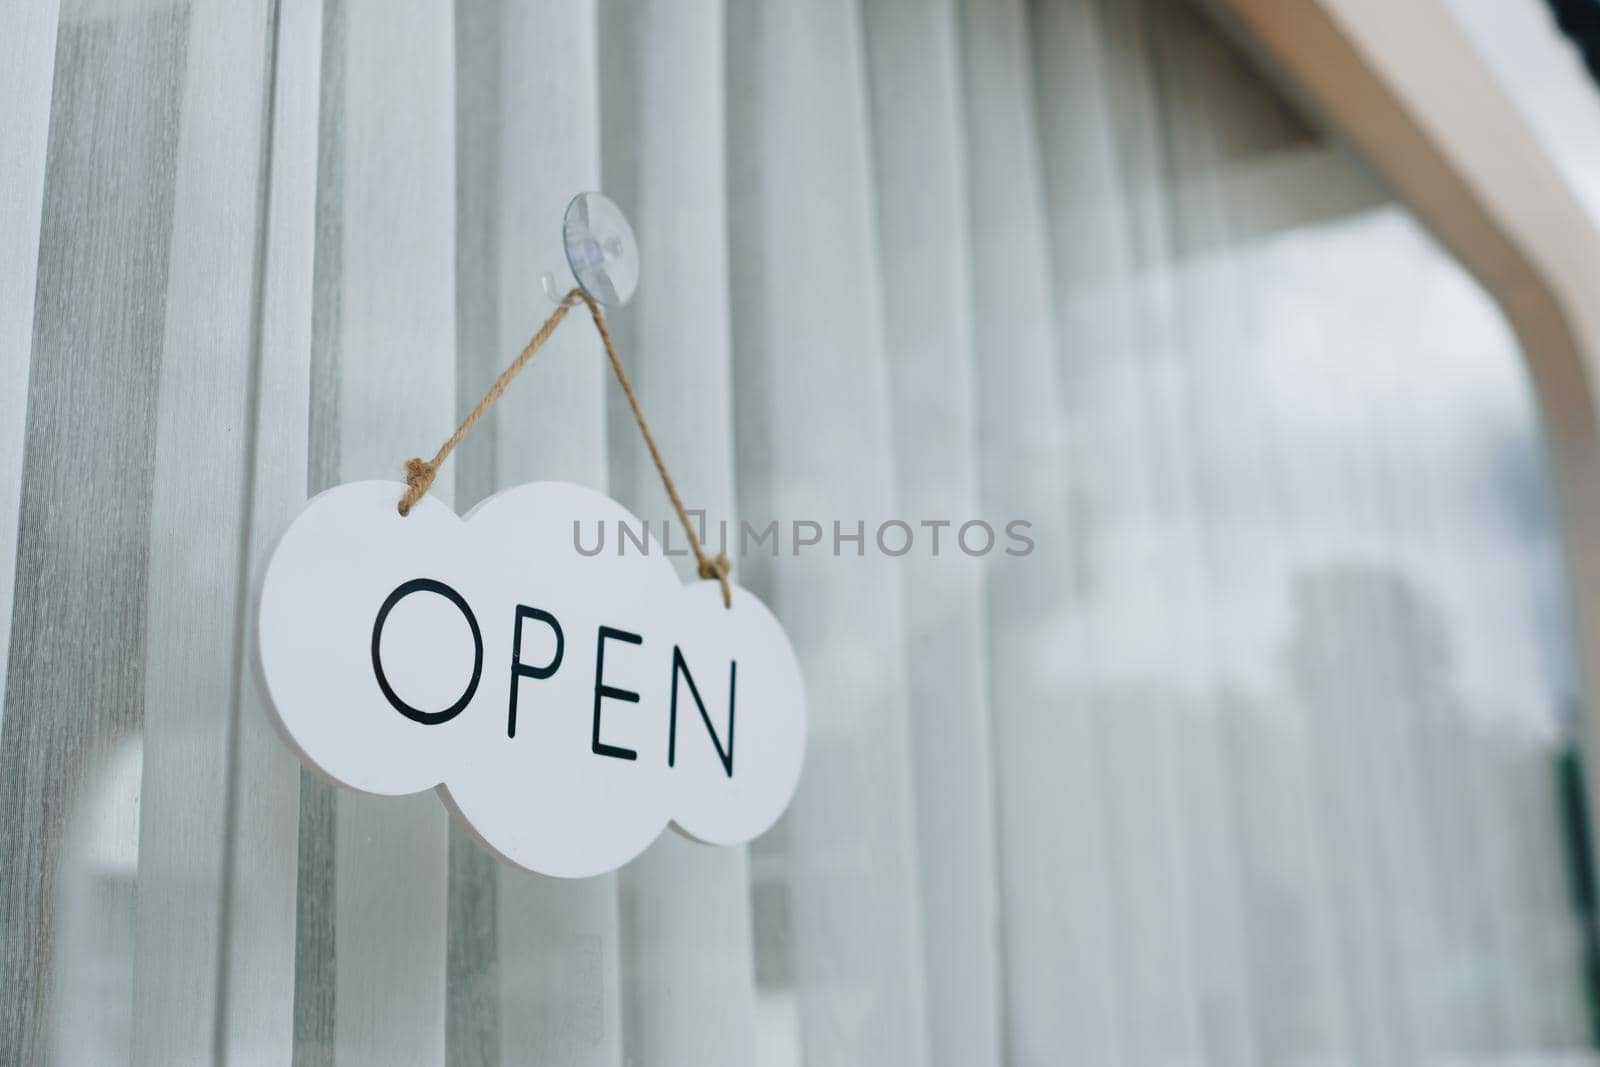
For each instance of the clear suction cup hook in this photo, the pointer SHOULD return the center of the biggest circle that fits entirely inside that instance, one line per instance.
(600, 250)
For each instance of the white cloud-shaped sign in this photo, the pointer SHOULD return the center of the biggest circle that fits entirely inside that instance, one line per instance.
(567, 707)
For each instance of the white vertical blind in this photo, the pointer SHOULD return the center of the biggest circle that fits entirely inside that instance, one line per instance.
(70, 773)
(196, 609)
(808, 339)
(1255, 758)
(256, 995)
(926, 261)
(1155, 674)
(26, 72)
(534, 69)
(396, 386)
(1053, 884)
(688, 935)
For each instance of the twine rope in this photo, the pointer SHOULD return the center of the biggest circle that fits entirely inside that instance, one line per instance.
(420, 473)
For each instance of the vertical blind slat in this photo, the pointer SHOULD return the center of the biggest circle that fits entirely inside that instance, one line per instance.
(1057, 919)
(396, 398)
(687, 907)
(557, 940)
(919, 152)
(27, 69)
(808, 344)
(1210, 103)
(197, 599)
(70, 752)
(1158, 588)
(1290, 828)
(473, 975)
(259, 958)
(1421, 954)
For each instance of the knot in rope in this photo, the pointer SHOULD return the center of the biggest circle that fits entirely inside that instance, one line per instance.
(419, 476)
(718, 567)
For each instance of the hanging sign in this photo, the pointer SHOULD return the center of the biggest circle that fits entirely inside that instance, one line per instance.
(566, 706)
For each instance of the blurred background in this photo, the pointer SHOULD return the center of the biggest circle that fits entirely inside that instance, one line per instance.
(1269, 317)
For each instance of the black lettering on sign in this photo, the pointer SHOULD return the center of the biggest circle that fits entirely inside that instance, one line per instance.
(601, 691)
(522, 670)
(680, 664)
(405, 589)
